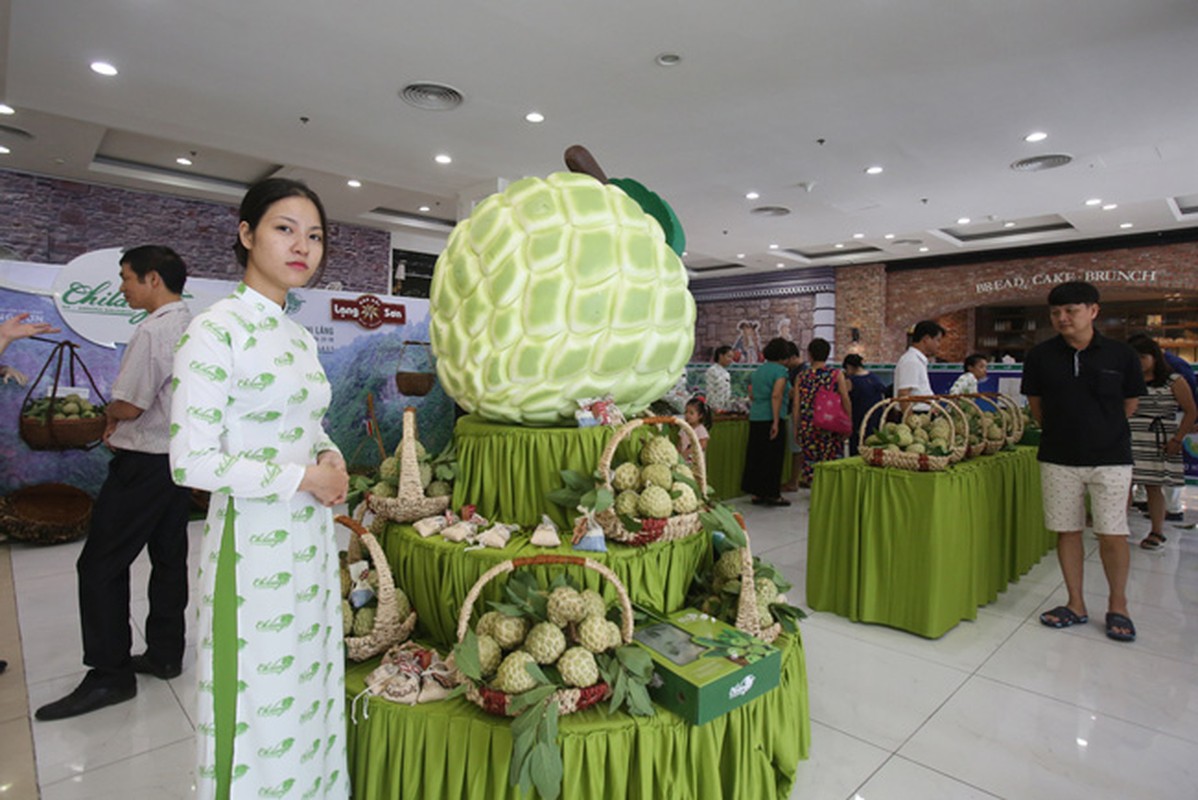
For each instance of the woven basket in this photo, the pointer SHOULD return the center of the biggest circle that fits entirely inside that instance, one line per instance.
(410, 504)
(1010, 415)
(61, 434)
(652, 530)
(388, 629)
(985, 446)
(568, 700)
(46, 513)
(746, 605)
(918, 462)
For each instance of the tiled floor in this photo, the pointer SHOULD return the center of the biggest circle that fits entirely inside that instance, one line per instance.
(1000, 707)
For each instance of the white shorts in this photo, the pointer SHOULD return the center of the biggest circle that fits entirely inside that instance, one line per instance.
(1065, 488)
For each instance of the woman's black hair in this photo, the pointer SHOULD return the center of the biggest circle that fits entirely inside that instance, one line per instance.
(719, 352)
(777, 349)
(1147, 346)
(699, 403)
(854, 360)
(264, 194)
(818, 349)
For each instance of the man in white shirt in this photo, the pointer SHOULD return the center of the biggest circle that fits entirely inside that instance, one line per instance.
(718, 381)
(139, 505)
(911, 370)
(975, 372)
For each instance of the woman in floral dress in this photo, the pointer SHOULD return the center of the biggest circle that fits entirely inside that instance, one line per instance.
(247, 426)
(817, 444)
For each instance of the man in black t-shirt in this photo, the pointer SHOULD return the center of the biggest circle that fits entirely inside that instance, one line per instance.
(1081, 388)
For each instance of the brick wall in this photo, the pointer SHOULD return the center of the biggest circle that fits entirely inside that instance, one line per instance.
(51, 221)
(791, 317)
(884, 305)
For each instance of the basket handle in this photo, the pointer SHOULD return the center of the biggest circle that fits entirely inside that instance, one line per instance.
(388, 612)
(531, 561)
(625, 430)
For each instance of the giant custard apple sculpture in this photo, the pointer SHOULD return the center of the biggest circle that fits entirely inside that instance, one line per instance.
(559, 289)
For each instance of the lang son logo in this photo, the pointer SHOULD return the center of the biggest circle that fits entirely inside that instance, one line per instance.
(368, 311)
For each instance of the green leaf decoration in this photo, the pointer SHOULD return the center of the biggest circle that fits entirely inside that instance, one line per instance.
(534, 670)
(566, 498)
(633, 526)
(604, 499)
(588, 499)
(546, 766)
(577, 481)
(680, 478)
(466, 657)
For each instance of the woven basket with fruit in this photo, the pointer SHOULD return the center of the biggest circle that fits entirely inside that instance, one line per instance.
(411, 472)
(924, 434)
(386, 618)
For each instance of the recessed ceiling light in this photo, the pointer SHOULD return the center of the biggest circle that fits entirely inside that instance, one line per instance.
(963, 220)
(780, 265)
(740, 255)
(534, 116)
(183, 161)
(685, 254)
(1110, 206)
(858, 235)
(6, 109)
(751, 195)
(1008, 224)
(1035, 136)
(888, 236)
(838, 246)
(773, 247)
(667, 59)
(4, 150)
(1125, 225)
(425, 208)
(1093, 201)
(441, 158)
(354, 183)
(103, 68)
(923, 249)
(874, 170)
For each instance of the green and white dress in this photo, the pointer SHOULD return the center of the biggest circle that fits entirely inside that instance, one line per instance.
(249, 400)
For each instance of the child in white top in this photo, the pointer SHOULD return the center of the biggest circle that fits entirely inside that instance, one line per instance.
(698, 416)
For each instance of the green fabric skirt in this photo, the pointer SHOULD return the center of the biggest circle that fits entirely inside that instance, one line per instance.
(452, 749)
(920, 551)
(437, 574)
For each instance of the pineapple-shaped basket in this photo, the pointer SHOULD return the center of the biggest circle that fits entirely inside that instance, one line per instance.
(570, 699)
(747, 618)
(410, 502)
(677, 526)
(388, 628)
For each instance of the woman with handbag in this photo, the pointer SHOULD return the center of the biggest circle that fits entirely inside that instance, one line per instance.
(822, 411)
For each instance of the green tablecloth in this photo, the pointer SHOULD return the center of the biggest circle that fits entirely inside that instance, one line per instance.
(437, 574)
(506, 471)
(920, 551)
(726, 457)
(452, 749)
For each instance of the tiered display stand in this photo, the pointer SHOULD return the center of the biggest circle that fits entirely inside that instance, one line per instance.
(453, 749)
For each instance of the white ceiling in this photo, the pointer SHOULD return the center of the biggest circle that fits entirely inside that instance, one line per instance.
(790, 99)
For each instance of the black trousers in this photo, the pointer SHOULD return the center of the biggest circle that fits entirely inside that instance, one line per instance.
(763, 460)
(138, 506)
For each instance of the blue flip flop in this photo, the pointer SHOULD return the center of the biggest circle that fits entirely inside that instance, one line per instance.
(1064, 618)
(1113, 621)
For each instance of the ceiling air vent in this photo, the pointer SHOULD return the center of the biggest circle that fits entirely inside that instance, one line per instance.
(431, 96)
(770, 211)
(1040, 163)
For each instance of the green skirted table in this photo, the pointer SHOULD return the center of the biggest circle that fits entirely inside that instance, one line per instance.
(507, 471)
(920, 551)
(726, 448)
(437, 574)
(452, 749)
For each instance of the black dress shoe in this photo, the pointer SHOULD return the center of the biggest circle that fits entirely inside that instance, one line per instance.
(1175, 516)
(87, 697)
(149, 666)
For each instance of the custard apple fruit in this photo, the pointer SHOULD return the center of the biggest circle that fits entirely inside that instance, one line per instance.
(657, 475)
(615, 637)
(767, 592)
(593, 635)
(489, 655)
(728, 567)
(383, 489)
(513, 676)
(421, 453)
(655, 503)
(578, 668)
(389, 469)
(683, 471)
(685, 502)
(554, 290)
(439, 489)
(364, 621)
(486, 623)
(626, 478)
(347, 618)
(347, 582)
(593, 603)
(659, 450)
(403, 603)
(545, 642)
(565, 606)
(627, 502)
(509, 631)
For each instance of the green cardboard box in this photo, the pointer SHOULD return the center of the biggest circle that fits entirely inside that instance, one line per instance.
(695, 678)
